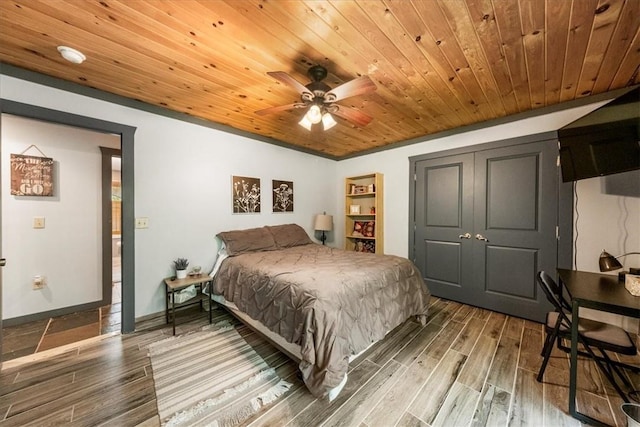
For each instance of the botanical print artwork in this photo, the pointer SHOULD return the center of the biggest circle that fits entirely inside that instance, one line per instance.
(282, 196)
(246, 194)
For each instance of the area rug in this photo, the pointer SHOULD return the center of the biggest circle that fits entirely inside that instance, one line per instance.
(211, 377)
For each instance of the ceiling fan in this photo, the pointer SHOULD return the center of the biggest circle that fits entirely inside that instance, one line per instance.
(321, 100)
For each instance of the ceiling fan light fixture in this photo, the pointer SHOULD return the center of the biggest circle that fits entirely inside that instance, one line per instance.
(314, 115)
(328, 121)
(305, 123)
(71, 54)
(319, 99)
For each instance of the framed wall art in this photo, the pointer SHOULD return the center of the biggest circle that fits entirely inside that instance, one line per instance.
(246, 194)
(282, 196)
(31, 175)
(359, 189)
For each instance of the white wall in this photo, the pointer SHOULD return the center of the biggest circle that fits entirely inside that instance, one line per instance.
(68, 250)
(607, 221)
(183, 184)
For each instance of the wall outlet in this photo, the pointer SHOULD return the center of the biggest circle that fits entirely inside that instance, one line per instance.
(38, 222)
(142, 222)
(39, 282)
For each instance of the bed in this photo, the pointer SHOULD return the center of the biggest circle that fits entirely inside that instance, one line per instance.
(319, 304)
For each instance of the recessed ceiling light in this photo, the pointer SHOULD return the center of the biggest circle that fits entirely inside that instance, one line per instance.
(71, 54)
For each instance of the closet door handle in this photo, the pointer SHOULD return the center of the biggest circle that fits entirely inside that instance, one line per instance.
(481, 237)
(465, 236)
(3, 262)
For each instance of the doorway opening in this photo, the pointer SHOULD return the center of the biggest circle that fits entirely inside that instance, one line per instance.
(127, 260)
(111, 312)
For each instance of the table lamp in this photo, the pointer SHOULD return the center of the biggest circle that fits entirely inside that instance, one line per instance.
(323, 223)
(608, 262)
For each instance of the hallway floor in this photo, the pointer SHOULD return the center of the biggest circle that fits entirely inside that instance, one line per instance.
(40, 335)
(33, 337)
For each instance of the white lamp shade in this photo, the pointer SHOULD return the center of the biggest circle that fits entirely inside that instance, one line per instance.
(323, 223)
(305, 123)
(314, 115)
(328, 121)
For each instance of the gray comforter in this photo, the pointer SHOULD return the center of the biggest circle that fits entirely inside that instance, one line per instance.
(331, 302)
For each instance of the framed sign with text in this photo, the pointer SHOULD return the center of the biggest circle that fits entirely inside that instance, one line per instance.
(31, 175)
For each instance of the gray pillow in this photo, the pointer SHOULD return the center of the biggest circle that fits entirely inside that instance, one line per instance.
(289, 235)
(251, 240)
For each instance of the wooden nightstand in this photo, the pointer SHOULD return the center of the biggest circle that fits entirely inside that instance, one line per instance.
(174, 286)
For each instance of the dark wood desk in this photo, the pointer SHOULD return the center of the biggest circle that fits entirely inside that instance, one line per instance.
(600, 292)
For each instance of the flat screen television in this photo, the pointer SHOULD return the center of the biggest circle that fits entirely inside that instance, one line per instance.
(604, 142)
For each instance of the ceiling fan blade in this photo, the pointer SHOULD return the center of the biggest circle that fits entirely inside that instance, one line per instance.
(355, 116)
(280, 108)
(289, 81)
(358, 86)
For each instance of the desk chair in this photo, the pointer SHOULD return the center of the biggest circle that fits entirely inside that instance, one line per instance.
(591, 334)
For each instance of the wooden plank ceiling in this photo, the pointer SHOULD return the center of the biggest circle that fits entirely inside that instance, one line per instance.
(437, 64)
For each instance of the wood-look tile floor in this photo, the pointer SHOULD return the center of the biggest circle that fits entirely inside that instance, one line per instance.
(41, 335)
(467, 366)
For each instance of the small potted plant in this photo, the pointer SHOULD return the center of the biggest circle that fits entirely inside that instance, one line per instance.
(181, 267)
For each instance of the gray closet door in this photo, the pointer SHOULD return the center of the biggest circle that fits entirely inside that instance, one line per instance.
(511, 196)
(444, 213)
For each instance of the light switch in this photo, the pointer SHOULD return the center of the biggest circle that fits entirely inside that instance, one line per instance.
(142, 222)
(39, 282)
(38, 222)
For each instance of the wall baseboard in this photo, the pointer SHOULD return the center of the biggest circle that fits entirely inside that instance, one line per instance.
(69, 310)
(150, 316)
(51, 313)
